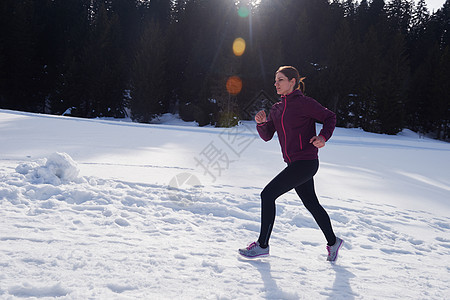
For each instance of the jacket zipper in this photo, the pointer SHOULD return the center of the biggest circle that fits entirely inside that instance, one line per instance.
(284, 131)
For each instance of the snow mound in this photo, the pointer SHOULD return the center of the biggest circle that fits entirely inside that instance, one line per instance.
(58, 168)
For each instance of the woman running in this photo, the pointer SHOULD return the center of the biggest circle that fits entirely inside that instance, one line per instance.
(294, 120)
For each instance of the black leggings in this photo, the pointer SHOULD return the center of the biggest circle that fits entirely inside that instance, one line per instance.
(298, 175)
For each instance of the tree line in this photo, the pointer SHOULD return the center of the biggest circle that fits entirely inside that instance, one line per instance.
(380, 65)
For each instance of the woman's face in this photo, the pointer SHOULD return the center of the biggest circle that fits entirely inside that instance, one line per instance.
(283, 85)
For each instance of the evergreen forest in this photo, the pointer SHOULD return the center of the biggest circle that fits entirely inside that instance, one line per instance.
(380, 65)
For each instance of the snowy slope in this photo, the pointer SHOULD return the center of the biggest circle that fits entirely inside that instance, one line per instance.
(113, 210)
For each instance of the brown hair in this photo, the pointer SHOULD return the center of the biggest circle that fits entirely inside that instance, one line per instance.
(291, 72)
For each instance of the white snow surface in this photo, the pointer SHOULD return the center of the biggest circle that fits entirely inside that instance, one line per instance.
(103, 209)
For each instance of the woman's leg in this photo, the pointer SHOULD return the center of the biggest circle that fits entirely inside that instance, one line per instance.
(307, 193)
(292, 176)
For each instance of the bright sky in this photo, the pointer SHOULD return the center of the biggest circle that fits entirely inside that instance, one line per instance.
(434, 5)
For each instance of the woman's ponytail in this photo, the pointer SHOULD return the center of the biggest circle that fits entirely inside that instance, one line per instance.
(301, 85)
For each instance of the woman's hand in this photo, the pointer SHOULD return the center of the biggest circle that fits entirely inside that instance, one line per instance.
(260, 117)
(318, 141)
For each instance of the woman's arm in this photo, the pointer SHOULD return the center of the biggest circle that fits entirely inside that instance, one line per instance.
(324, 115)
(265, 127)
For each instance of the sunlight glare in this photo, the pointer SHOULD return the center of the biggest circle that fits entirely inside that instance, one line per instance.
(243, 12)
(234, 85)
(239, 46)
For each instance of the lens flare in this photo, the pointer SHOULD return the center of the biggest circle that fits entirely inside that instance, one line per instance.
(239, 46)
(234, 85)
(243, 12)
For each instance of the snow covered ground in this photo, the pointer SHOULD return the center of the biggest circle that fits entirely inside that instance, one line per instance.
(100, 209)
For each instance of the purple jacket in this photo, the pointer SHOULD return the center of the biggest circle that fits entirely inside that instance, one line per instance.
(294, 120)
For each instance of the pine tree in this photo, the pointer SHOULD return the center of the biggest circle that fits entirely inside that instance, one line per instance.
(131, 17)
(441, 97)
(96, 78)
(266, 54)
(443, 16)
(148, 89)
(419, 18)
(3, 52)
(349, 7)
(423, 81)
(399, 14)
(370, 80)
(337, 80)
(20, 89)
(108, 81)
(392, 95)
(205, 27)
(71, 22)
(419, 22)
(159, 11)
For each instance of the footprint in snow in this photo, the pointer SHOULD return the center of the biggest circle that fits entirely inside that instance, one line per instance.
(122, 222)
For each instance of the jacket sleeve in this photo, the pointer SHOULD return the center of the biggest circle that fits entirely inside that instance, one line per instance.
(324, 115)
(266, 130)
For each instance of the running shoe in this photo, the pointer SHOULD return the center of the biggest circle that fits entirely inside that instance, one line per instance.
(254, 250)
(333, 250)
